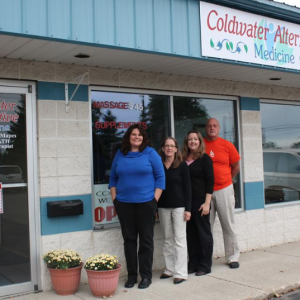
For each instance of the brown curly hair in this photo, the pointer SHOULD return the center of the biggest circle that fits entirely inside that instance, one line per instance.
(186, 150)
(126, 146)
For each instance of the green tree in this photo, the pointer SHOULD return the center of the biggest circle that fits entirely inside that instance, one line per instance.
(189, 113)
(105, 141)
(155, 115)
(268, 144)
(295, 145)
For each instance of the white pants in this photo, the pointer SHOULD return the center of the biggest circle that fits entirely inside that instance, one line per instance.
(223, 202)
(173, 229)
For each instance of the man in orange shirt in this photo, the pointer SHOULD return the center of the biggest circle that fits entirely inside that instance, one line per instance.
(226, 166)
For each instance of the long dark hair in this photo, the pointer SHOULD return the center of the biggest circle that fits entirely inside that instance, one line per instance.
(177, 155)
(126, 146)
(185, 149)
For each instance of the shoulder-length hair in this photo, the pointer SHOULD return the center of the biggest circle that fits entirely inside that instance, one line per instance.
(126, 146)
(177, 155)
(185, 149)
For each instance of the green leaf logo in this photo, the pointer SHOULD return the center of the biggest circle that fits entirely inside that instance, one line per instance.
(212, 43)
(227, 46)
(246, 48)
(231, 45)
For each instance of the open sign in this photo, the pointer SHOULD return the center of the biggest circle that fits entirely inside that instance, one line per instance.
(104, 215)
(104, 210)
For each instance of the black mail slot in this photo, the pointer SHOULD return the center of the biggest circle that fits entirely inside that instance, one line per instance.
(64, 208)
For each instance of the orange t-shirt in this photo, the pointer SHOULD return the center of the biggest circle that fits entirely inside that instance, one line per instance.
(223, 154)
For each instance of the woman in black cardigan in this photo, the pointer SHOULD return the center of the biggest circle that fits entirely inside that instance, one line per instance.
(199, 235)
(174, 208)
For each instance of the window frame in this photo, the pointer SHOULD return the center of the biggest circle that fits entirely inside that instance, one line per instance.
(236, 112)
(278, 102)
(171, 94)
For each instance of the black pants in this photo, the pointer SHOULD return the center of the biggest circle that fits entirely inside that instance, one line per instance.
(199, 240)
(137, 220)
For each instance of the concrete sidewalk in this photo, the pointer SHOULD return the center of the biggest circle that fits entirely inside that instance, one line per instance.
(261, 273)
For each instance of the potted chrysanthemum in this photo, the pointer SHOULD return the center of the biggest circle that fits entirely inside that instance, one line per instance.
(65, 270)
(103, 274)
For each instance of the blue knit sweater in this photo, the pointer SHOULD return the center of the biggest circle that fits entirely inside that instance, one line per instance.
(136, 175)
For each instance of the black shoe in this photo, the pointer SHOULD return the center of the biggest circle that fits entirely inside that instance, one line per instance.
(164, 276)
(130, 283)
(178, 280)
(144, 283)
(191, 271)
(234, 265)
(201, 273)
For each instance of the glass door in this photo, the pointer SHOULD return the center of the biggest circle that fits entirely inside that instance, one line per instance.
(17, 217)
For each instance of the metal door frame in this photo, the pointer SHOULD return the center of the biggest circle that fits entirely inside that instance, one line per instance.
(29, 89)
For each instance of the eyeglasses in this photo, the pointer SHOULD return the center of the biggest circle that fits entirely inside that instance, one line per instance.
(169, 146)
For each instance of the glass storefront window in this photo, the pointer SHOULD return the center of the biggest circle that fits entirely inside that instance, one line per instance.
(112, 114)
(281, 152)
(192, 113)
(14, 219)
(13, 155)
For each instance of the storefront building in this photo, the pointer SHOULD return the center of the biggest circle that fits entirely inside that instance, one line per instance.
(75, 74)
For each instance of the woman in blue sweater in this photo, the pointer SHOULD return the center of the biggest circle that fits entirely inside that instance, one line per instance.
(137, 180)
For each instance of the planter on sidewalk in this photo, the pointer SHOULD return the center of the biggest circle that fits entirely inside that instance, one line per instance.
(103, 283)
(65, 282)
(103, 274)
(65, 270)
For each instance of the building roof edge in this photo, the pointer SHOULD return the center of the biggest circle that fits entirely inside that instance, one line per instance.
(268, 8)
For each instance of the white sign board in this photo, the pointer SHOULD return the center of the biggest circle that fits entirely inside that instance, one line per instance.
(1, 199)
(105, 212)
(236, 35)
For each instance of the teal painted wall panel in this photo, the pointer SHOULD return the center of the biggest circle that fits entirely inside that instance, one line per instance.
(35, 17)
(59, 19)
(180, 27)
(194, 28)
(82, 12)
(254, 195)
(105, 22)
(249, 103)
(56, 91)
(70, 223)
(144, 24)
(11, 15)
(165, 26)
(162, 26)
(125, 23)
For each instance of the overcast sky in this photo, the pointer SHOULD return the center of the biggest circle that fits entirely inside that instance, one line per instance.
(290, 2)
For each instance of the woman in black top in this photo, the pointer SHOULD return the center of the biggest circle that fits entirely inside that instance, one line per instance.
(174, 209)
(199, 235)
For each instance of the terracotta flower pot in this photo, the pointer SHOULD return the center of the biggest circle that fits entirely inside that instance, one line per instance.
(65, 282)
(103, 283)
